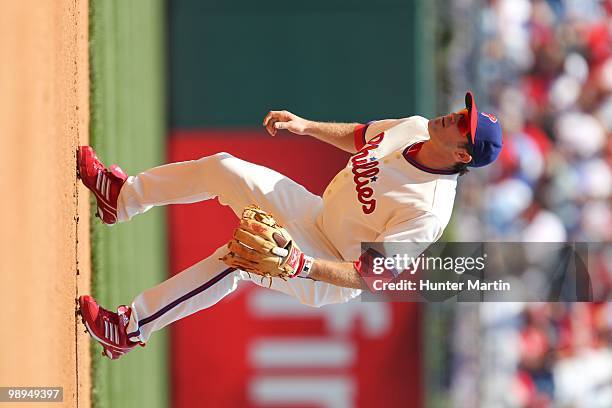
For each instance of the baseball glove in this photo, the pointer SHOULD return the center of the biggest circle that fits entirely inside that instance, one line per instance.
(263, 247)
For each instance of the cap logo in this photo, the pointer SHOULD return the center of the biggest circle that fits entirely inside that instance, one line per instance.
(492, 118)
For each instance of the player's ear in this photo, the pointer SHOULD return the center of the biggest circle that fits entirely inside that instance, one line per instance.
(462, 156)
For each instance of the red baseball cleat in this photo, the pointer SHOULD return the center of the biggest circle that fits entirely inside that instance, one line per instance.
(107, 328)
(104, 183)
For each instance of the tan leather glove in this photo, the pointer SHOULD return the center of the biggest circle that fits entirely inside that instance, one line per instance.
(263, 247)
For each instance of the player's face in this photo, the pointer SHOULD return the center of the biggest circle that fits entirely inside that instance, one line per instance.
(449, 134)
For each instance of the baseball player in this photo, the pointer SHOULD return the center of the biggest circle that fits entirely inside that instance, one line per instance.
(398, 186)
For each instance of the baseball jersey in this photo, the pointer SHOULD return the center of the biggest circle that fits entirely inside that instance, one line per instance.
(382, 195)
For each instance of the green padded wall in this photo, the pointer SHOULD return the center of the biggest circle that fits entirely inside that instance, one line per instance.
(341, 60)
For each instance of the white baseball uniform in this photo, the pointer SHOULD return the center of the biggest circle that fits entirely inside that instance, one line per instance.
(381, 195)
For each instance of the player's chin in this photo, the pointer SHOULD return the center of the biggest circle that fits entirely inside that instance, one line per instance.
(434, 126)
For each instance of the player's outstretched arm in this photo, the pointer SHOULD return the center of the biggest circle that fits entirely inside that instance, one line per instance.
(337, 273)
(337, 134)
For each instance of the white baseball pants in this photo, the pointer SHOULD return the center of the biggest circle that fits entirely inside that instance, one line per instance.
(236, 183)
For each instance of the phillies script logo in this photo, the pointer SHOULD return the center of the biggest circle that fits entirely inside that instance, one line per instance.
(492, 118)
(364, 173)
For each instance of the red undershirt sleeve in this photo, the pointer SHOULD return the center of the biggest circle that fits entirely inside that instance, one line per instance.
(418, 233)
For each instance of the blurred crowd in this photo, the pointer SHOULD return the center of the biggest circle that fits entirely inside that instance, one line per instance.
(540, 355)
(534, 355)
(564, 356)
(545, 68)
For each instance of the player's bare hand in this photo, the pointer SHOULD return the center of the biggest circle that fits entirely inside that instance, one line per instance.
(275, 120)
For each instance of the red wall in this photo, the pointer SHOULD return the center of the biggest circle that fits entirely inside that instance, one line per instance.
(370, 352)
